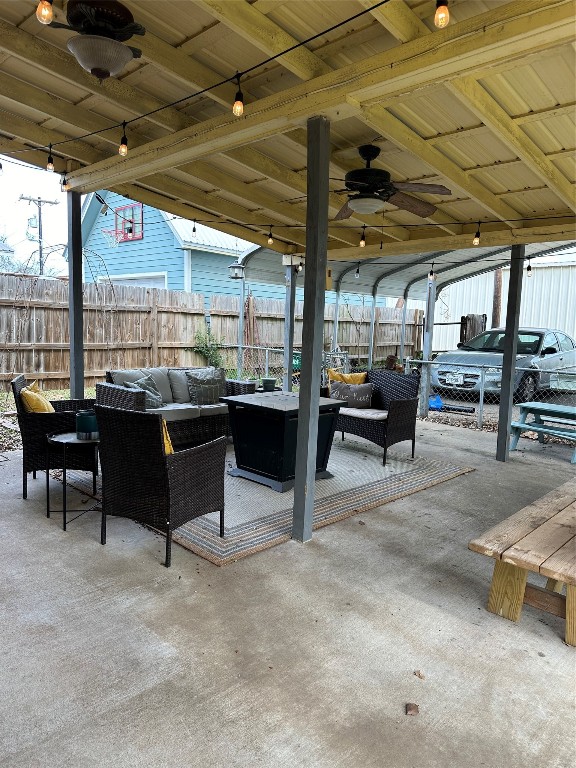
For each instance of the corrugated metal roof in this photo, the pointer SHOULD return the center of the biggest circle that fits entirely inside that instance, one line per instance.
(207, 238)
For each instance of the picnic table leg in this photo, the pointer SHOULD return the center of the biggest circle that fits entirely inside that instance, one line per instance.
(538, 420)
(570, 636)
(506, 595)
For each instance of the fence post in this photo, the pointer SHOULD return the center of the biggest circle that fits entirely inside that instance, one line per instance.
(154, 327)
(481, 400)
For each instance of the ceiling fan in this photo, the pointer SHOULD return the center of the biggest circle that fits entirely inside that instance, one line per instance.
(369, 188)
(103, 26)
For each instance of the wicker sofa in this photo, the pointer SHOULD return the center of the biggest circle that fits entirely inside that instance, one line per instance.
(392, 416)
(188, 424)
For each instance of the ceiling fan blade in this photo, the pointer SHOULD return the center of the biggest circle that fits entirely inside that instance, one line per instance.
(431, 189)
(412, 204)
(344, 213)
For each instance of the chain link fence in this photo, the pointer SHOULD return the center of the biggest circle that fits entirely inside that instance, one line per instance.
(268, 362)
(471, 393)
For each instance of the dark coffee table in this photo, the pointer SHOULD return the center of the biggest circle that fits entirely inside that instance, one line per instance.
(264, 429)
(63, 441)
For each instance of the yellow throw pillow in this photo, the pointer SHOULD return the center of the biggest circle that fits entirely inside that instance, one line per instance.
(347, 378)
(168, 449)
(34, 400)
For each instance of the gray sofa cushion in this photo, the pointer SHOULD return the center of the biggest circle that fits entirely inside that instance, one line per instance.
(176, 411)
(160, 378)
(121, 377)
(217, 409)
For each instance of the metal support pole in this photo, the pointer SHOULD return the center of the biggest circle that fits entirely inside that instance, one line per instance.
(427, 346)
(290, 303)
(509, 356)
(75, 299)
(371, 334)
(336, 313)
(403, 329)
(240, 358)
(318, 157)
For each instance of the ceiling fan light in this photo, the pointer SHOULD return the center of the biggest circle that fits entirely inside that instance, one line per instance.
(99, 55)
(45, 12)
(365, 204)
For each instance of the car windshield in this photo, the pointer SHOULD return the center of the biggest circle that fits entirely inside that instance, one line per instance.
(493, 341)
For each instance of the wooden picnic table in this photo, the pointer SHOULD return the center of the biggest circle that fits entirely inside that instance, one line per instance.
(540, 538)
(552, 419)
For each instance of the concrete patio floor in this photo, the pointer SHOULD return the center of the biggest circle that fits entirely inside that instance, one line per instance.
(300, 656)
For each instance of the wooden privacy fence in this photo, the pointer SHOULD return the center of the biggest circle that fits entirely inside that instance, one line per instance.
(134, 327)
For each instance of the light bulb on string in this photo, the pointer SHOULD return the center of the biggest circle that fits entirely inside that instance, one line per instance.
(270, 238)
(194, 229)
(529, 269)
(45, 12)
(363, 237)
(442, 15)
(476, 240)
(123, 148)
(50, 163)
(238, 106)
(64, 186)
(357, 273)
(432, 274)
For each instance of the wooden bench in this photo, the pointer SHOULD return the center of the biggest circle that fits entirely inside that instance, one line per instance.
(540, 538)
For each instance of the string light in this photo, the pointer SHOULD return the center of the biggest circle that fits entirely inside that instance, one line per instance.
(194, 229)
(50, 163)
(1, 169)
(363, 237)
(357, 273)
(432, 274)
(270, 238)
(45, 12)
(123, 148)
(238, 107)
(64, 186)
(529, 268)
(476, 240)
(442, 15)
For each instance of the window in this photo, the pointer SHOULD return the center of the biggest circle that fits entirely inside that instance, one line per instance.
(566, 344)
(129, 222)
(550, 341)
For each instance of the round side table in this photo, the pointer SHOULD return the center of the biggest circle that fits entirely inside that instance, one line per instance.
(64, 441)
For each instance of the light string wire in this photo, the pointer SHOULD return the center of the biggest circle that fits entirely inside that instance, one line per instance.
(225, 81)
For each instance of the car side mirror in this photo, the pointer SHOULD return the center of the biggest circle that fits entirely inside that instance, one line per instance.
(549, 351)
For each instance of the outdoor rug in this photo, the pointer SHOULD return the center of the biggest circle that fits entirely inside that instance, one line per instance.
(256, 517)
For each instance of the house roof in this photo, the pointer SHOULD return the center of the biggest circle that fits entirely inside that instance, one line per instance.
(201, 238)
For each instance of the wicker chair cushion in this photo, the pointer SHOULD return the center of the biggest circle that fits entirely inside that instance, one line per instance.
(372, 414)
(153, 396)
(356, 395)
(162, 382)
(205, 386)
(34, 400)
(122, 377)
(347, 378)
(177, 411)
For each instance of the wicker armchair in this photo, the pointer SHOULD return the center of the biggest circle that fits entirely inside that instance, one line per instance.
(393, 392)
(34, 427)
(141, 482)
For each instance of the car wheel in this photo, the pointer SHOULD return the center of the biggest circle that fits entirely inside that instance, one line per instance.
(526, 389)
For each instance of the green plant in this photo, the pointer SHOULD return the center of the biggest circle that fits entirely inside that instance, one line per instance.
(209, 347)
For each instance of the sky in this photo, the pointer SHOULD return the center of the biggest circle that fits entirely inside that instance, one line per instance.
(20, 179)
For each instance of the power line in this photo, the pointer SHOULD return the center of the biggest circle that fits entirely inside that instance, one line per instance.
(39, 202)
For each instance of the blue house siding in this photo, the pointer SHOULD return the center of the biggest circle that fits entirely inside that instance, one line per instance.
(161, 251)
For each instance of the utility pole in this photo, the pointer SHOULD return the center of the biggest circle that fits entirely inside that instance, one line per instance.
(39, 202)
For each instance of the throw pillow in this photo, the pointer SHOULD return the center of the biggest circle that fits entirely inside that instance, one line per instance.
(347, 378)
(205, 386)
(355, 395)
(339, 391)
(153, 397)
(34, 400)
(360, 395)
(168, 449)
